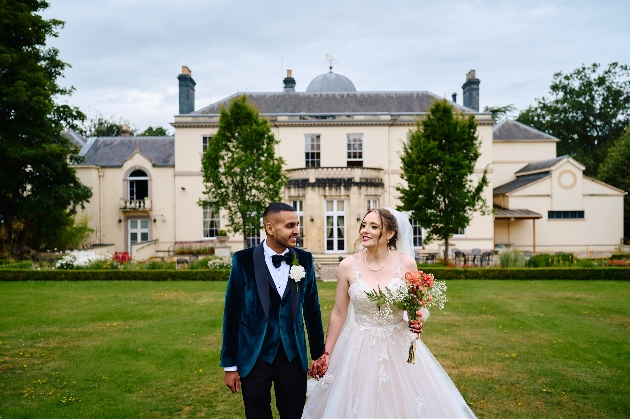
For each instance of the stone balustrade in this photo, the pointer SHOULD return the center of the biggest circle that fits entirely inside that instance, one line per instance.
(135, 204)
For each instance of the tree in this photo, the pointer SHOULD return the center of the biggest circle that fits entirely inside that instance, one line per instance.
(39, 191)
(154, 132)
(587, 111)
(615, 170)
(241, 172)
(438, 164)
(500, 112)
(100, 126)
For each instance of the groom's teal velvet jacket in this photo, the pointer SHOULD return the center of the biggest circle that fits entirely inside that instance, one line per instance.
(246, 312)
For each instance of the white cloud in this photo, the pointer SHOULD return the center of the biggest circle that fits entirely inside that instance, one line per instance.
(126, 55)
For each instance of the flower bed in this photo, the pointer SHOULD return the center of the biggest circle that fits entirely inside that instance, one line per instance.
(193, 248)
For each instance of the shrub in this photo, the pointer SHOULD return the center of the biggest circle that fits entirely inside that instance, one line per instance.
(605, 273)
(17, 265)
(511, 259)
(117, 275)
(77, 258)
(103, 264)
(153, 265)
(620, 256)
(545, 260)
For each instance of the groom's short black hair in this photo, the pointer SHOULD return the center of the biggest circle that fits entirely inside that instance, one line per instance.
(276, 208)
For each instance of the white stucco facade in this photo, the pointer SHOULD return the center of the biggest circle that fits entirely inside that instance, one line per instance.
(339, 191)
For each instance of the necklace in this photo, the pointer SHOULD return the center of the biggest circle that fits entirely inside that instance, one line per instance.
(382, 266)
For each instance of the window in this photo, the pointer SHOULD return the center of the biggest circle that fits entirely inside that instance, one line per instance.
(299, 208)
(253, 236)
(557, 215)
(205, 143)
(416, 232)
(138, 185)
(355, 150)
(335, 216)
(210, 222)
(372, 203)
(460, 232)
(312, 150)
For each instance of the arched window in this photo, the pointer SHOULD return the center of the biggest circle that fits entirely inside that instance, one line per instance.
(138, 185)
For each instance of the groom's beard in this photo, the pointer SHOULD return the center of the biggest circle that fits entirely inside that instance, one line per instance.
(287, 243)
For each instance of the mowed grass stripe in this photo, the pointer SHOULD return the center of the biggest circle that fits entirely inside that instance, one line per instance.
(519, 349)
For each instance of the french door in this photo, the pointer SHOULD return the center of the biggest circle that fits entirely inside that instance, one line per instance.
(138, 231)
(335, 218)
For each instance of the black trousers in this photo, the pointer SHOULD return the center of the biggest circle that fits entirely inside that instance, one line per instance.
(289, 382)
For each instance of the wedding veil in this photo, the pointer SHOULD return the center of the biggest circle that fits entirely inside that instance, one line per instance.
(404, 243)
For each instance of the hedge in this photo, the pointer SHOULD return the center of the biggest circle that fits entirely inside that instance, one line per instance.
(612, 274)
(116, 275)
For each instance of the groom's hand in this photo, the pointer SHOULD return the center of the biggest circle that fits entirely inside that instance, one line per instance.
(232, 380)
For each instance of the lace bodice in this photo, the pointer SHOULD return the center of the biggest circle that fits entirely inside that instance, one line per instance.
(366, 312)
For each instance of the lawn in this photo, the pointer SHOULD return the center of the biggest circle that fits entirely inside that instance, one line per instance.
(518, 349)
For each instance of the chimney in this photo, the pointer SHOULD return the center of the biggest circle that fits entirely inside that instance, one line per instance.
(289, 83)
(125, 131)
(454, 97)
(471, 91)
(186, 91)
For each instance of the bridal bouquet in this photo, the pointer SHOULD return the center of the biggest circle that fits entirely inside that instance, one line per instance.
(422, 291)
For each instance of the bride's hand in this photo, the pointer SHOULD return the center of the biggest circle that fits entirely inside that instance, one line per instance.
(415, 326)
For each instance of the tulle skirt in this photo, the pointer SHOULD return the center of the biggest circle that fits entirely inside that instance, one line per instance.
(369, 377)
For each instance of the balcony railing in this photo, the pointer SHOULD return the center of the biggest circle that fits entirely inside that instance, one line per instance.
(135, 204)
(335, 172)
(332, 176)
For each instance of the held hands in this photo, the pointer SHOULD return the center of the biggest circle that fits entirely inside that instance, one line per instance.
(319, 366)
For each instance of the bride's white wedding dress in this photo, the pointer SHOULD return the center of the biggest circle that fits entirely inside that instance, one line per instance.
(369, 376)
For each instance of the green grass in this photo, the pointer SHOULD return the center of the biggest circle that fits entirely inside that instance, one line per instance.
(518, 349)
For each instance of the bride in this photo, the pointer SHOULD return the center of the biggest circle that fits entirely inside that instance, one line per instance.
(364, 370)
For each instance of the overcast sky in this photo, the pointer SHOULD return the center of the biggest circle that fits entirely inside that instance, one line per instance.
(126, 54)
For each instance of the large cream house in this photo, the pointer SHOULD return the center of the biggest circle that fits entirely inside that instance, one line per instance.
(342, 152)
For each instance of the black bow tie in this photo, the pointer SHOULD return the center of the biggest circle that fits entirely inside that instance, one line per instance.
(277, 259)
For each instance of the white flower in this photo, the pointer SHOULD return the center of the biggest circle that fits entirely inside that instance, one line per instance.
(297, 272)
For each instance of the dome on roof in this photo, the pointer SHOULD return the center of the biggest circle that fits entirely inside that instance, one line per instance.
(331, 82)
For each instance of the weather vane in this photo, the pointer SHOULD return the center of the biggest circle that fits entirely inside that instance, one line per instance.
(330, 60)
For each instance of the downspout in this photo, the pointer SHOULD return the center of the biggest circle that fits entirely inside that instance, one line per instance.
(389, 158)
(100, 204)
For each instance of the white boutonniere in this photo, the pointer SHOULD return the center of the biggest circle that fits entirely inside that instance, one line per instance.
(297, 272)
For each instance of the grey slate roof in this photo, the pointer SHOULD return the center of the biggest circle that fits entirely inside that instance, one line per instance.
(331, 82)
(335, 103)
(114, 151)
(540, 165)
(513, 130)
(500, 212)
(519, 182)
(75, 138)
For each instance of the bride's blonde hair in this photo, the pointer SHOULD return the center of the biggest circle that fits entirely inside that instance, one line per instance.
(388, 223)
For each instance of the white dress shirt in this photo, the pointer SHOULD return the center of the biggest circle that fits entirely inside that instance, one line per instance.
(279, 275)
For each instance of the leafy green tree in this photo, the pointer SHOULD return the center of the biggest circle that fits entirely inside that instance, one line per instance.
(615, 170)
(100, 126)
(588, 109)
(154, 132)
(240, 169)
(500, 112)
(39, 191)
(437, 165)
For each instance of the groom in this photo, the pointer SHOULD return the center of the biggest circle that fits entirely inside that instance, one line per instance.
(264, 317)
